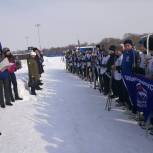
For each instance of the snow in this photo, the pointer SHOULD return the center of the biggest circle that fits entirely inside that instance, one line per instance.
(67, 116)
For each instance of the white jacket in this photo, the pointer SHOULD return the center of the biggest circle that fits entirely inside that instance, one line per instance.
(104, 62)
(117, 75)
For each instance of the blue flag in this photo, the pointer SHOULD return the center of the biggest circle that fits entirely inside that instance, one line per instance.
(140, 90)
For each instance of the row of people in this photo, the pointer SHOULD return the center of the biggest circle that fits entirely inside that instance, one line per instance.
(106, 67)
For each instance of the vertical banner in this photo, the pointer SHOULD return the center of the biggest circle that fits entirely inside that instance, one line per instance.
(140, 90)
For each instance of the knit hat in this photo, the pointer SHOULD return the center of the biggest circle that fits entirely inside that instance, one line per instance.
(98, 46)
(34, 49)
(5, 50)
(128, 41)
(112, 48)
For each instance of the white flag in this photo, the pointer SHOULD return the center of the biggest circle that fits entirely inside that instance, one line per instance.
(5, 64)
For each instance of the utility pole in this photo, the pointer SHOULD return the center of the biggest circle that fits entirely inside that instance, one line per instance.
(38, 33)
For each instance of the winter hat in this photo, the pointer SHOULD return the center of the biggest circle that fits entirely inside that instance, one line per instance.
(112, 48)
(33, 53)
(98, 46)
(5, 50)
(34, 49)
(128, 41)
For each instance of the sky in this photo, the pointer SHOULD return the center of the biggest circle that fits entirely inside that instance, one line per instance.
(63, 22)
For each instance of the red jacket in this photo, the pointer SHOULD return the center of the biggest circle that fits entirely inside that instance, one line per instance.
(12, 68)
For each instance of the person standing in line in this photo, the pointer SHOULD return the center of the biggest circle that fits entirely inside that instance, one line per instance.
(110, 63)
(94, 69)
(143, 56)
(103, 69)
(34, 75)
(2, 103)
(40, 61)
(4, 85)
(128, 66)
(116, 70)
(100, 55)
(11, 70)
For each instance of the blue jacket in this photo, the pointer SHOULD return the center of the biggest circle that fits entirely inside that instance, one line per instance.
(88, 59)
(4, 75)
(128, 62)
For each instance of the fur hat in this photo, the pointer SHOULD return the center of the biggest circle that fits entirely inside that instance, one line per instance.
(33, 53)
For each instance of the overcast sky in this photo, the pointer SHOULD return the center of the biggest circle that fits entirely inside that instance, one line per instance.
(65, 21)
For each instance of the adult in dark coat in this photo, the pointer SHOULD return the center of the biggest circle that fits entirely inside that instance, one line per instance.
(34, 75)
(4, 85)
(40, 60)
(108, 74)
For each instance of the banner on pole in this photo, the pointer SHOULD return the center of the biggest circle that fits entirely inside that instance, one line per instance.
(140, 90)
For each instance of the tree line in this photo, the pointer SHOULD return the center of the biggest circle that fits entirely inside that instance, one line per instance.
(104, 43)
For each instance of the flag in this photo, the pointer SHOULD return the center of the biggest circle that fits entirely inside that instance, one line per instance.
(140, 90)
(5, 64)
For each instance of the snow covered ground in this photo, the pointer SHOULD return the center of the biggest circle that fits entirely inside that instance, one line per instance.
(67, 116)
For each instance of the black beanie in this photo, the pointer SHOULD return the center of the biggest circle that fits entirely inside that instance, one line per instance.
(112, 48)
(98, 46)
(34, 49)
(128, 41)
